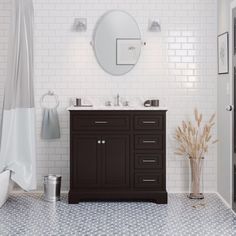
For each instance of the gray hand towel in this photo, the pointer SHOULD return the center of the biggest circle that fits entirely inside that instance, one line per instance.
(50, 124)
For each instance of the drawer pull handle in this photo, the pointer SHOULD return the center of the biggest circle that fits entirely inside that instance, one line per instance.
(149, 122)
(101, 122)
(149, 161)
(99, 141)
(149, 180)
(149, 141)
(103, 141)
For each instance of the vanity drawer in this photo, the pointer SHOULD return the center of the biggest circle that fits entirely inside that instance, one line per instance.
(148, 160)
(103, 122)
(148, 180)
(146, 141)
(149, 122)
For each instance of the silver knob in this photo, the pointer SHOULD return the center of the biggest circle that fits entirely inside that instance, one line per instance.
(229, 108)
(103, 141)
(99, 141)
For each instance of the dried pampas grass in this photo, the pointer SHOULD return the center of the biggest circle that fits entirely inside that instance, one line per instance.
(194, 139)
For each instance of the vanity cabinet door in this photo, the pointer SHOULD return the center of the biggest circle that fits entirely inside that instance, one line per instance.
(86, 161)
(115, 156)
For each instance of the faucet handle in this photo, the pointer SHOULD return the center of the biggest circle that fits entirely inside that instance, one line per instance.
(108, 103)
(126, 104)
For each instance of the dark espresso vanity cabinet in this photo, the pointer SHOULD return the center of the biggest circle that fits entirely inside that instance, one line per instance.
(117, 155)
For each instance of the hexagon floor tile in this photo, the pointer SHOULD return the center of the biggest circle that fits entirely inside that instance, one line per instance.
(28, 214)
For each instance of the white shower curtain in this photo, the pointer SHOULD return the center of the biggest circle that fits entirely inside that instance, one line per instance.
(17, 151)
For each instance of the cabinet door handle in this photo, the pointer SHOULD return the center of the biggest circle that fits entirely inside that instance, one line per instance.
(149, 161)
(99, 141)
(149, 122)
(101, 122)
(149, 180)
(149, 141)
(103, 141)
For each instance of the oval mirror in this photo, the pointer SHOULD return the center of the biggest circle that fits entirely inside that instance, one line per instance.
(117, 42)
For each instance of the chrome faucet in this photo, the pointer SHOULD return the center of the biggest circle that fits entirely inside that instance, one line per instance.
(117, 100)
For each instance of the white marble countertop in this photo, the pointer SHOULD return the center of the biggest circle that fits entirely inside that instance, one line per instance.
(117, 108)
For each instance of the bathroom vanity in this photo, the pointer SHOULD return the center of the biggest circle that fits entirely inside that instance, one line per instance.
(117, 154)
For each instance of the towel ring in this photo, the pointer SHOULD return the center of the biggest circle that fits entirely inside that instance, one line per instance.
(49, 93)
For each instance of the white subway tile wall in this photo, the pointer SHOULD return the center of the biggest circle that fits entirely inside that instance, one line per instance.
(178, 66)
(5, 17)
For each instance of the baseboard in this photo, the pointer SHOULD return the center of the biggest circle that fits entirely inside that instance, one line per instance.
(35, 191)
(67, 191)
(186, 192)
(176, 192)
(226, 203)
(223, 200)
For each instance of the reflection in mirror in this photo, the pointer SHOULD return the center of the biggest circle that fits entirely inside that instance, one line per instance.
(117, 42)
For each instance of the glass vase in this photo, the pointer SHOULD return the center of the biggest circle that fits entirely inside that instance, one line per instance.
(196, 187)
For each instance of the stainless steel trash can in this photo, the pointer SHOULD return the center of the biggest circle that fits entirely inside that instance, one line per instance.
(52, 188)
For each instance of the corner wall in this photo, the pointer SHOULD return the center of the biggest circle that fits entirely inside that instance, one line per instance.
(223, 117)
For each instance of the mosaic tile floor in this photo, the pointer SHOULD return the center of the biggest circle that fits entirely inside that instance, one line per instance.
(27, 214)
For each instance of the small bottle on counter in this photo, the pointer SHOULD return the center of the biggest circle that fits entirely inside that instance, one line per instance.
(78, 102)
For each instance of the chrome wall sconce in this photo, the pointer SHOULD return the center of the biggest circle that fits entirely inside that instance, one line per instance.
(80, 24)
(154, 26)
